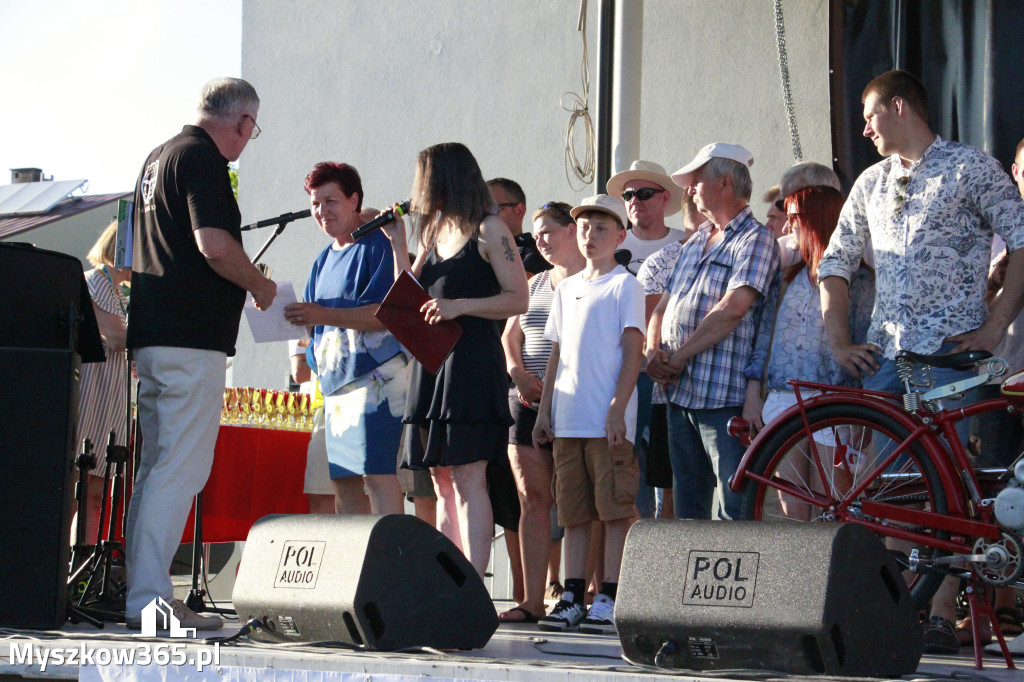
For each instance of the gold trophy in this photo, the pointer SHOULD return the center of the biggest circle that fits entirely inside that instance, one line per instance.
(305, 418)
(229, 406)
(269, 396)
(280, 408)
(258, 414)
(292, 407)
(244, 414)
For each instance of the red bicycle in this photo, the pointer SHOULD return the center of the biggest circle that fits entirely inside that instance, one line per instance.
(895, 464)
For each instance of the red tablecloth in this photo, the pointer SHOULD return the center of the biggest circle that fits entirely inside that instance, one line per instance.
(255, 472)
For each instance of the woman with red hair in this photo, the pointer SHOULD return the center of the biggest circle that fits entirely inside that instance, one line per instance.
(799, 343)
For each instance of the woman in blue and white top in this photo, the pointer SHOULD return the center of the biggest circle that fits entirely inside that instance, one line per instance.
(799, 343)
(362, 368)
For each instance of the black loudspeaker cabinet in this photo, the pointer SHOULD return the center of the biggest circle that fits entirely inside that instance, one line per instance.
(812, 599)
(381, 582)
(40, 287)
(38, 416)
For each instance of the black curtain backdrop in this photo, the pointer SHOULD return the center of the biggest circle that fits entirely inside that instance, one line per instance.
(968, 53)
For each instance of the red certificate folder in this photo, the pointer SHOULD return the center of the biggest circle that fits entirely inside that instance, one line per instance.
(399, 312)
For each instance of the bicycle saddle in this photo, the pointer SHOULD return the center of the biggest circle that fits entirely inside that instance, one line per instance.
(962, 361)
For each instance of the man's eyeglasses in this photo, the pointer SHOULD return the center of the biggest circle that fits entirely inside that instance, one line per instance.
(507, 204)
(781, 205)
(900, 199)
(643, 194)
(255, 127)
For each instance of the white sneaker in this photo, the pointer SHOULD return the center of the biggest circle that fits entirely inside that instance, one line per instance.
(600, 619)
(565, 616)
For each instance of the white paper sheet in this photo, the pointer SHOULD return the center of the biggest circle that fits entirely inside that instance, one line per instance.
(270, 325)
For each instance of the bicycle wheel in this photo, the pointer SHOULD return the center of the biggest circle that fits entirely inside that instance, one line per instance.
(852, 443)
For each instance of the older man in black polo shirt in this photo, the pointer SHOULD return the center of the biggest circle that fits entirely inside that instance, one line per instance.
(189, 281)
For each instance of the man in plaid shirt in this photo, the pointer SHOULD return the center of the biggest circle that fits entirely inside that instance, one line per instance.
(701, 335)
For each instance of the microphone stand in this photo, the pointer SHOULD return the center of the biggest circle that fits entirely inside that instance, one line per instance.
(196, 599)
(281, 221)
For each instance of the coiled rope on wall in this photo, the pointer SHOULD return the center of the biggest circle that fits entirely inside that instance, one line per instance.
(580, 167)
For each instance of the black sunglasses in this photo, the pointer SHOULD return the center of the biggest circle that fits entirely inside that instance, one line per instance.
(559, 206)
(780, 204)
(900, 198)
(643, 194)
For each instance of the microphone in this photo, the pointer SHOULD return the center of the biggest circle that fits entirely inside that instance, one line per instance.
(381, 220)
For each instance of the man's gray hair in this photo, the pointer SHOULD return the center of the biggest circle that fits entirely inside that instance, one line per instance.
(742, 185)
(226, 98)
(808, 174)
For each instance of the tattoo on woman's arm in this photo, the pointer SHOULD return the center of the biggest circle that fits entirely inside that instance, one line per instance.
(510, 255)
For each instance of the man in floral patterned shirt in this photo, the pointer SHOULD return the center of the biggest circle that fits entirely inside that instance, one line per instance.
(930, 209)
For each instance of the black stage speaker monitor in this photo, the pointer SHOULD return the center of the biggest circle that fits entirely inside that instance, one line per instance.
(383, 582)
(41, 288)
(811, 599)
(38, 414)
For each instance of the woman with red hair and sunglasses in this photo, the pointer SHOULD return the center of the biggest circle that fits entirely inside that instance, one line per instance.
(799, 347)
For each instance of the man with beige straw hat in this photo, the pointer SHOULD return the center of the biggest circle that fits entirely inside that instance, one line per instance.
(650, 196)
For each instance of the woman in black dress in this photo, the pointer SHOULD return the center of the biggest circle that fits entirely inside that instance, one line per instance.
(468, 263)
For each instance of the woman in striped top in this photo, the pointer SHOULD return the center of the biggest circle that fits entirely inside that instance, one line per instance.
(526, 355)
(102, 404)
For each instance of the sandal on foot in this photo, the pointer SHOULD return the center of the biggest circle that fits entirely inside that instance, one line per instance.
(965, 633)
(1009, 621)
(524, 616)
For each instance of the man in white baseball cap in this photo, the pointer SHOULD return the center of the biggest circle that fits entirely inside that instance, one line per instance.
(715, 150)
(649, 195)
(701, 334)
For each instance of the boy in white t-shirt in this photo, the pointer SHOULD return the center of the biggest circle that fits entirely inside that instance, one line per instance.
(589, 409)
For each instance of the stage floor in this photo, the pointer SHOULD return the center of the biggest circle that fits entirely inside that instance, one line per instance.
(515, 652)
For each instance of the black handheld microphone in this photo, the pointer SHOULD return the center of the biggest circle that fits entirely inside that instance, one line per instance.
(381, 220)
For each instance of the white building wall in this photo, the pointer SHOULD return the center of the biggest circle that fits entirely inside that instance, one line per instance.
(372, 83)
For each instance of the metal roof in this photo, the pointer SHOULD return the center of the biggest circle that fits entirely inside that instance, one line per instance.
(11, 225)
(35, 197)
